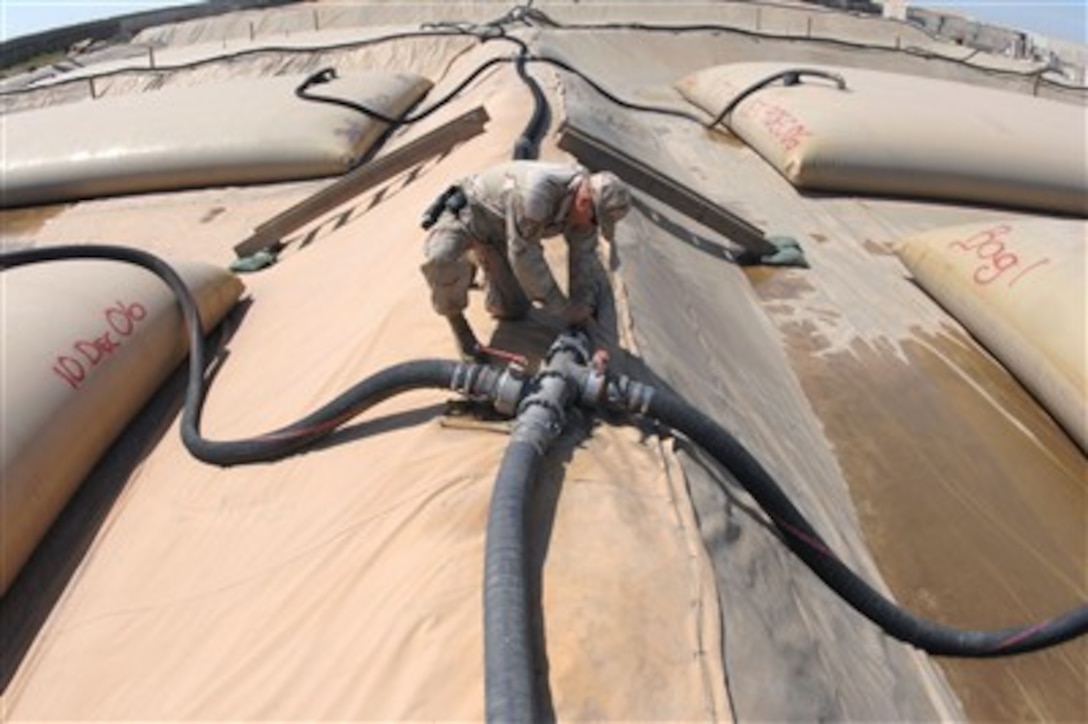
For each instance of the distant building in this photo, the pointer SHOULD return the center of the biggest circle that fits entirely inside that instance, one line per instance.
(895, 9)
(1066, 58)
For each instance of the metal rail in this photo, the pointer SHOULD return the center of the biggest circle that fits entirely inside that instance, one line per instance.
(598, 154)
(362, 178)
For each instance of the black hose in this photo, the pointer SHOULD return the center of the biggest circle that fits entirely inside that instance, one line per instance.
(508, 633)
(806, 543)
(715, 28)
(402, 377)
(286, 440)
(629, 105)
(508, 653)
(303, 91)
(530, 137)
(527, 145)
(231, 57)
(525, 14)
(788, 77)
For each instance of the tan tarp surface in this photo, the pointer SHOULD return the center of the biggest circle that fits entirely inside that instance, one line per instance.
(85, 344)
(1019, 287)
(346, 582)
(889, 133)
(246, 131)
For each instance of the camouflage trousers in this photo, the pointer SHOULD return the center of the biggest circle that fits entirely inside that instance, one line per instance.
(454, 247)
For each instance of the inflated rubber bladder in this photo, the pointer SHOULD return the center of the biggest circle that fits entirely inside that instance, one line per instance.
(898, 135)
(217, 134)
(86, 344)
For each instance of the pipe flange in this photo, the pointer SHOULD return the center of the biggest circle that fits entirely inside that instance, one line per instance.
(629, 395)
(555, 412)
(508, 391)
(639, 396)
(576, 343)
(463, 380)
(593, 389)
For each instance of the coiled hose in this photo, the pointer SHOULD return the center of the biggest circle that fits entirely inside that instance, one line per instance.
(806, 543)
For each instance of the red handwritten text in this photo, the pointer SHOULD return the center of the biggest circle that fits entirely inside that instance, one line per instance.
(120, 321)
(990, 247)
(783, 126)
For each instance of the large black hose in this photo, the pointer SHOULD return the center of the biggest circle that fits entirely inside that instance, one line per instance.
(527, 145)
(509, 683)
(419, 374)
(510, 680)
(508, 651)
(286, 440)
(788, 77)
(806, 543)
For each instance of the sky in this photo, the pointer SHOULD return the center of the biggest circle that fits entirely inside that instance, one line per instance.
(22, 17)
(1066, 19)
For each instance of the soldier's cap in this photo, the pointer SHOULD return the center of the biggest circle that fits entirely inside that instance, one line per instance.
(611, 200)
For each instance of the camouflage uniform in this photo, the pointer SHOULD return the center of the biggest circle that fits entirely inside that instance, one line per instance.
(510, 208)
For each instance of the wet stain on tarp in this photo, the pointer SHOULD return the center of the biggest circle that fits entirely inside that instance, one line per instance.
(25, 222)
(971, 498)
(776, 284)
(877, 249)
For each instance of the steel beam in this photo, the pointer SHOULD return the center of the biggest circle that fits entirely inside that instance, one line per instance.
(362, 178)
(599, 155)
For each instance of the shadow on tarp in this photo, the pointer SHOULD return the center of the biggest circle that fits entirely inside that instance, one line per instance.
(531, 337)
(680, 232)
(49, 570)
(377, 426)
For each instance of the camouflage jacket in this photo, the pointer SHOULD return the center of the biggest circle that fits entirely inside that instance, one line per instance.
(523, 202)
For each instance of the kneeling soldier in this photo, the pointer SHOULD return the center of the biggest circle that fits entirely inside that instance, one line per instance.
(501, 215)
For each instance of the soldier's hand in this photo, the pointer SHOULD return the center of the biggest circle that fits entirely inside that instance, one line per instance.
(577, 315)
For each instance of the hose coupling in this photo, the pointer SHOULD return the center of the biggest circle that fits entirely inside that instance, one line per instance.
(544, 414)
(469, 380)
(624, 394)
(593, 380)
(508, 390)
(594, 388)
(503, 388)
(573, 341)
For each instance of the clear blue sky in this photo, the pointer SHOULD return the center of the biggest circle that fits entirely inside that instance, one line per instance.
(1060, 18)
(1067, 19)
(21, 17)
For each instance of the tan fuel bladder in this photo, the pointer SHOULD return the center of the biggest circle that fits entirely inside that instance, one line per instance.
(217, 134)
(1017, 286)
(86, 342)
(899, 135)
